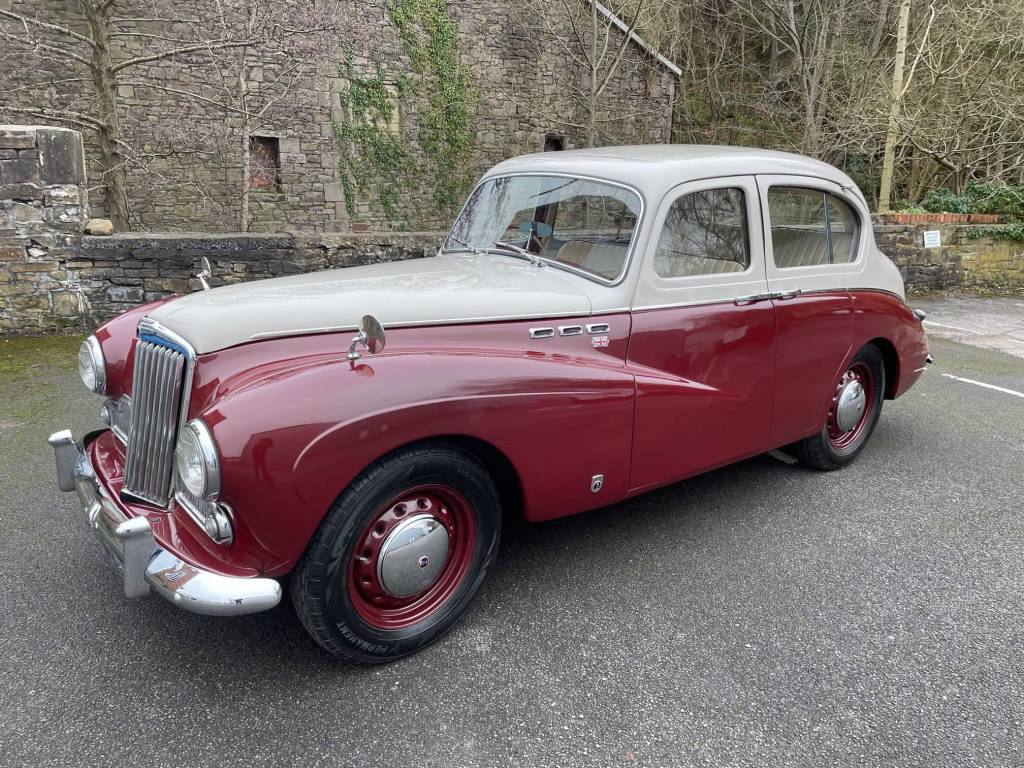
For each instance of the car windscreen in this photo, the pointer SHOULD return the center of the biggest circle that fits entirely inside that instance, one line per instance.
(582, 224)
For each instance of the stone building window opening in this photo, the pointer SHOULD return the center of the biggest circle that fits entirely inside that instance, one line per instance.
(553, 142)
(265, 163)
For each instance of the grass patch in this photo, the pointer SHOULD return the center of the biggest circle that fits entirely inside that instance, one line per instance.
(23, 357)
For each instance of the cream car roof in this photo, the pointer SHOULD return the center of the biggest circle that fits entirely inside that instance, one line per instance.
(653, 169)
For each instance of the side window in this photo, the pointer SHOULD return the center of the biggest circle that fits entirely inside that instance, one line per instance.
(705, 233)
(844, 228)
(799, 238)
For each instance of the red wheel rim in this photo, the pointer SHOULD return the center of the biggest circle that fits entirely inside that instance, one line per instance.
(839, 438)
(371, 601)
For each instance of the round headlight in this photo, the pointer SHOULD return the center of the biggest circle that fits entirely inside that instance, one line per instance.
(91, 367)
(196, 461)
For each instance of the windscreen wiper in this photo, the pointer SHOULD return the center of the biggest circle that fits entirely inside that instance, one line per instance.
(516, 251)
(467, 246)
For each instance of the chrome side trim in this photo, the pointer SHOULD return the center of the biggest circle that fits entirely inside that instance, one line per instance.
(570, 330)
(598, 328)
(542, 333)
(759, 297)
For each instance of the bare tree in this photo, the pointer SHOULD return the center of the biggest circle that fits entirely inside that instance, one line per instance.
(891, 133)
(597, 41)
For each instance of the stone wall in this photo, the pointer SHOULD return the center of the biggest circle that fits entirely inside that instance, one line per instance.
(42, 210)
(961, 260)
(119, 272)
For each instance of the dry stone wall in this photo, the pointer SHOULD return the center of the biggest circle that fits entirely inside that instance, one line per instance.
(963, 260)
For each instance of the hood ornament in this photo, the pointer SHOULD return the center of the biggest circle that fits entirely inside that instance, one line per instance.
(204, 274)
(371, 336)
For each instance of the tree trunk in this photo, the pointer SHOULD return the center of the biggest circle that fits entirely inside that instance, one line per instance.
(115, 186)
(892, 132)
(592, 95)
(243, 145)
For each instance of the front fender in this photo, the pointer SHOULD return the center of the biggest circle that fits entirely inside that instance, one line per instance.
(294, 435)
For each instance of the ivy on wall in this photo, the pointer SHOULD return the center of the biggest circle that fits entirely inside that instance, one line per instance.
(1007, 232)
(416, 182)
(372, 156)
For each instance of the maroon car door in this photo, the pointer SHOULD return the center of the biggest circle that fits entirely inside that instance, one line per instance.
(702, 345)
(812, 241)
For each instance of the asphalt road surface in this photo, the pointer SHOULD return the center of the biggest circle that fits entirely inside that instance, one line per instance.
(760, 615)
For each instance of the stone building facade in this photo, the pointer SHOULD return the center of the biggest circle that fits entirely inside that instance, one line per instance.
(186, 143)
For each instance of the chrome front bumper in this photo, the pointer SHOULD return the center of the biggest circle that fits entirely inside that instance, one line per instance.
(143, 563)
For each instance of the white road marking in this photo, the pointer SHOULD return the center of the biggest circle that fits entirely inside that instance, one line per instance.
(951, 327)
(986, 386)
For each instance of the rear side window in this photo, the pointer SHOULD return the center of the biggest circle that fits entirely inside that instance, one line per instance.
(844, 228)
(810, 228)
(705, 233)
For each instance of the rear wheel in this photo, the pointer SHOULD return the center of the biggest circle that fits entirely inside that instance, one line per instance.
(400, 555)
(853, 412)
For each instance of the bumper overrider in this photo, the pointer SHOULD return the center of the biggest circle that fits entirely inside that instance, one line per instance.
(143, 563)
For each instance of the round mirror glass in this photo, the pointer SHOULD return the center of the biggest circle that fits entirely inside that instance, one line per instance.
(374, 334)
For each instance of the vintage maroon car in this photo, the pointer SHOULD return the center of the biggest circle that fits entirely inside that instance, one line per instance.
(598, 323)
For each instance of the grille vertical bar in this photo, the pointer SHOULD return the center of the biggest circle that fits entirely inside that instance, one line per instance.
(156, 406)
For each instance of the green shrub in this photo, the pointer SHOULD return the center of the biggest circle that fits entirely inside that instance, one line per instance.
(905, 206)
(978, 197)
(1005, 232)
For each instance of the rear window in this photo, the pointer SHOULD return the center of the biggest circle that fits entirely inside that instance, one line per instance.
(810, 228)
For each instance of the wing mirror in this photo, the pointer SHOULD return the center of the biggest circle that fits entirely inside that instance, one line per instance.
(204, 274)
(371, 336)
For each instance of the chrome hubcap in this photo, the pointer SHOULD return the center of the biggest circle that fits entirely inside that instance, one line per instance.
(850, 405)
(413, 556)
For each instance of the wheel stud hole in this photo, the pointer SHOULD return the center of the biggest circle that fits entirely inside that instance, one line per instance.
(379, 529)
(400, 510)
(422, 503)
(366, 579)
(366, 554)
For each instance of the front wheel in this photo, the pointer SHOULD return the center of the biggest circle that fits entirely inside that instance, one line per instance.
(400, 555)
(853, 412)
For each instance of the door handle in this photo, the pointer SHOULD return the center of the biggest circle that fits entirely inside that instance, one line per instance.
(783, 295)
(752, 298)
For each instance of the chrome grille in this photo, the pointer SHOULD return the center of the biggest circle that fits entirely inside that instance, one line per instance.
(157, 386)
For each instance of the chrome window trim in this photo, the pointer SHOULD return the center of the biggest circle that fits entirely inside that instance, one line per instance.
(640, 221)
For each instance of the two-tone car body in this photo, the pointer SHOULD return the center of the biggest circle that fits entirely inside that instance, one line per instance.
(598, 323)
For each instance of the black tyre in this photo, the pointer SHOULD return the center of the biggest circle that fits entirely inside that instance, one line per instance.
(400, 555)
(853, 412)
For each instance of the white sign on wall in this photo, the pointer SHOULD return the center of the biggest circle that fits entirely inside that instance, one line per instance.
(932, 238)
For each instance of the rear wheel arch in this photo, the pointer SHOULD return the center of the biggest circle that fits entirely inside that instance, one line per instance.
(891, 360)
